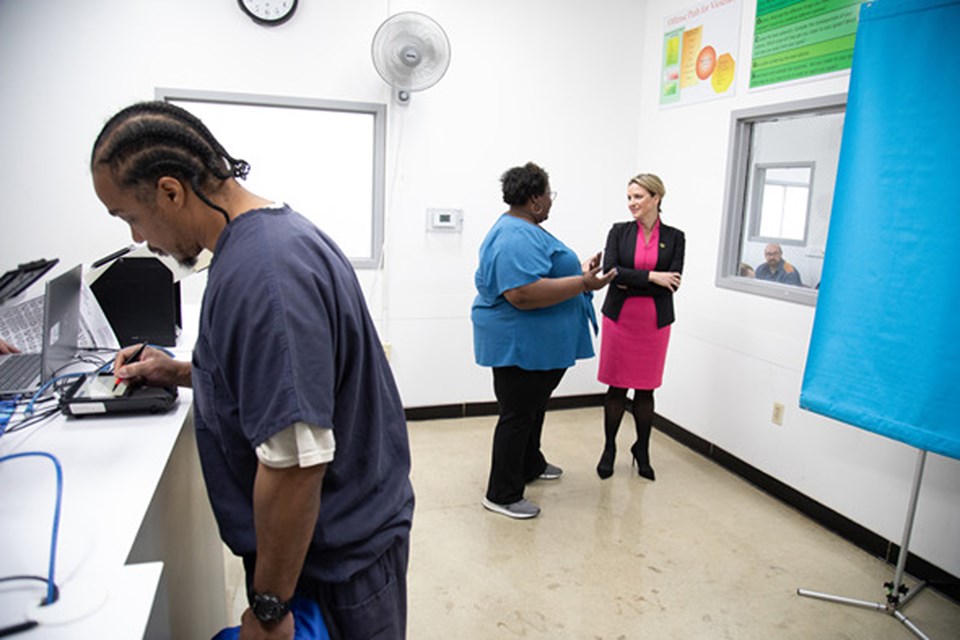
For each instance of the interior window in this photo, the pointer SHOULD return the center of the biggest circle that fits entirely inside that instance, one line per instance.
(780, 179)
(780, 212)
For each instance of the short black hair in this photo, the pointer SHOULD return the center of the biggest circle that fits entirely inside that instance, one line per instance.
(522, 183)
(148, 140)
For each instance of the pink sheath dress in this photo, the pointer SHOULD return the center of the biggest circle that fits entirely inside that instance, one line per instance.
(632, 348)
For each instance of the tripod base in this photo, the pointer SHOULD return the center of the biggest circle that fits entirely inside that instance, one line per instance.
(892, 607)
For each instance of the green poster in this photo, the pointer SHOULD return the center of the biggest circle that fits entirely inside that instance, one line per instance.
(796, 39)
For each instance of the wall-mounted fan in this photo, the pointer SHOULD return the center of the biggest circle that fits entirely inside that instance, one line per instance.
(411, 52)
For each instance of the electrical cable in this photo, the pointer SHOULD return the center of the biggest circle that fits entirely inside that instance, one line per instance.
(101, 366)
(7, 409)
(92, 359)
(30, 416)
(26, 625)
(46, 385)
(56, 591)
(26, 422)
(52, 592)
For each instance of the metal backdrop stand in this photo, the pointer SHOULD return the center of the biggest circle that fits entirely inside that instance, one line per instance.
(895, 589)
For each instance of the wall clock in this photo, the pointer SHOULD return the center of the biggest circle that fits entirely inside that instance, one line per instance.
(269, 13)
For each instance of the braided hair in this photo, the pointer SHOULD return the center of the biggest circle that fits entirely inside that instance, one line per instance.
(149, 140)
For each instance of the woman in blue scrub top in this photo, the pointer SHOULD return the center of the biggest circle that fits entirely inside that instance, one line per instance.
(531, 320)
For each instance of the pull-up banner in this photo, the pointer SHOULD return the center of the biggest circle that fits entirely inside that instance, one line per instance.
(885, 350)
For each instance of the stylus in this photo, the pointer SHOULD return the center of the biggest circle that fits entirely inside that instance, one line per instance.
(136, 356)
(113, 256)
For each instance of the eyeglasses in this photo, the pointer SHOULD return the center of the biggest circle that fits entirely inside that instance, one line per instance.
(553, 195)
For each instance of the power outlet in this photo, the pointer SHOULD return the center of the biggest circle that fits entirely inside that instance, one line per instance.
(777, 416)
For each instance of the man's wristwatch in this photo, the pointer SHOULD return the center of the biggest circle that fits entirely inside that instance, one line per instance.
(268, 608)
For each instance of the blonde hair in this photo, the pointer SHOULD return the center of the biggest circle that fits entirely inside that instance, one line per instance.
(651, 183)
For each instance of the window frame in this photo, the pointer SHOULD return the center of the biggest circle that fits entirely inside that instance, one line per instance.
(735, 198)
(756, 202)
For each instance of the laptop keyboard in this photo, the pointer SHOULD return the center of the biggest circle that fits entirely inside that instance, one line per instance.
(19, 371)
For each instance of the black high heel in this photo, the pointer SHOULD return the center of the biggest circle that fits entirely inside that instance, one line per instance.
(644, 470)
(605, 466)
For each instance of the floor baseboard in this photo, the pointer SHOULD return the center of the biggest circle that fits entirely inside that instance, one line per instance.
(474, 409)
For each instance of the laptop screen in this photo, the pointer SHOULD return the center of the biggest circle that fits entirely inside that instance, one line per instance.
(61, 322)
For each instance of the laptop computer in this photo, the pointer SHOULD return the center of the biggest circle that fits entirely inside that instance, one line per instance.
(24, 373)
(15, 281)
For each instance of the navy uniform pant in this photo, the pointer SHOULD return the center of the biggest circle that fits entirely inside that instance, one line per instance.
(372, 605)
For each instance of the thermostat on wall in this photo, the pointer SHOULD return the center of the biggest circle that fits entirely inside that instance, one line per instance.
(444, 219)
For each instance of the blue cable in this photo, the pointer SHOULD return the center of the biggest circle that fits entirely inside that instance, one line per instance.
(7, 409)
(51, 585)
(104, 367)
(46, 385)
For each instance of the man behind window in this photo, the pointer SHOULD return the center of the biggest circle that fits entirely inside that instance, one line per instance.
(776, 269)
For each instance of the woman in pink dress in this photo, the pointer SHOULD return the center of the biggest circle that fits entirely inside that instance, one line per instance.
(637, 314)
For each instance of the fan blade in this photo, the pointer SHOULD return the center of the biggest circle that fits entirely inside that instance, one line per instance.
(410, 51)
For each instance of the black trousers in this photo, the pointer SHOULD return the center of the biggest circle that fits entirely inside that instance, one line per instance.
(522, 396)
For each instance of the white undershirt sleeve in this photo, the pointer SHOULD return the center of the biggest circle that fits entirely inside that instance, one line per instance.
(300, 444)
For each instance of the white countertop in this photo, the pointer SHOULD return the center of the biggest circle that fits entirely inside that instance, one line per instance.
(111, 468)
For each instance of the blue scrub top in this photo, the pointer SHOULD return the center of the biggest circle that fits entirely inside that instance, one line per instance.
(515, 253)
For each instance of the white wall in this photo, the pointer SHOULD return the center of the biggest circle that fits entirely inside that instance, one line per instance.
(528, 81)
(569, 84)
(734, 354)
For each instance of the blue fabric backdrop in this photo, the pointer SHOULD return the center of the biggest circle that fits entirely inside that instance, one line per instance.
(885, 350)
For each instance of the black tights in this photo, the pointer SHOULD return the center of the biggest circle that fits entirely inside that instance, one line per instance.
(614, 404)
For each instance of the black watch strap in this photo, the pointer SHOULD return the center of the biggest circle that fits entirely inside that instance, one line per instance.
(269, 608)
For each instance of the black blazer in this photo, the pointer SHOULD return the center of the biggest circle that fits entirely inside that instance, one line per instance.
(620, 252)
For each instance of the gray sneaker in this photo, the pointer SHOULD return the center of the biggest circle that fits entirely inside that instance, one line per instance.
(521, 509)
(551, 472)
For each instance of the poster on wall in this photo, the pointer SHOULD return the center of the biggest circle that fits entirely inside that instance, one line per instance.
(700, 52)
(796, 39)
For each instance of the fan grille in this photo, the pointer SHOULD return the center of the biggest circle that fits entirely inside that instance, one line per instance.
(411, 51)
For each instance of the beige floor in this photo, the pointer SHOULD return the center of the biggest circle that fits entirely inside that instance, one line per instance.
(697, 554)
